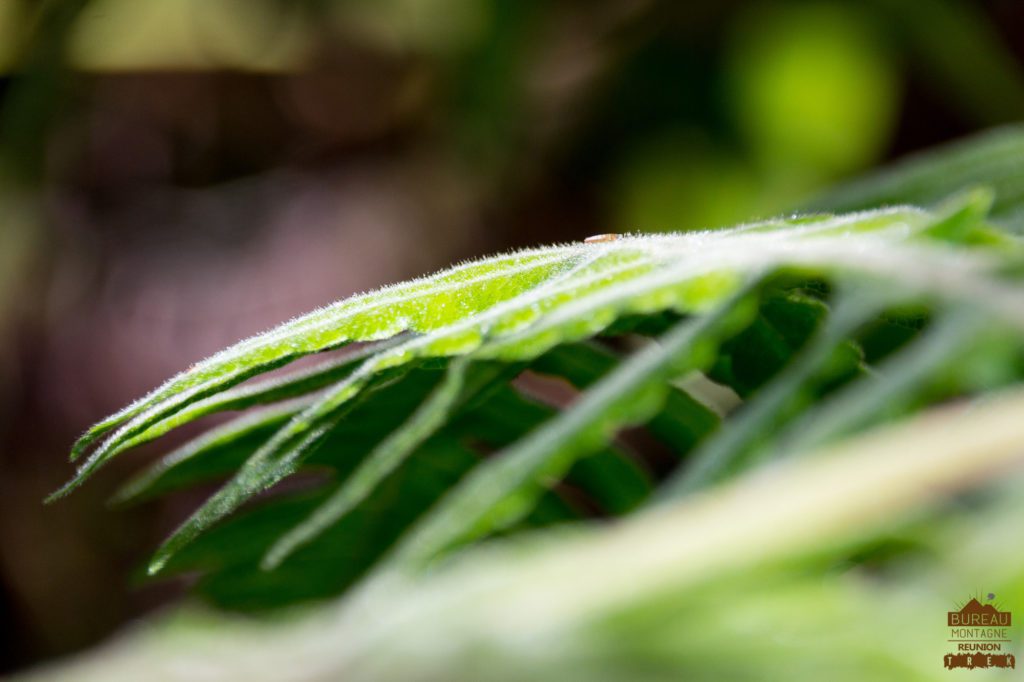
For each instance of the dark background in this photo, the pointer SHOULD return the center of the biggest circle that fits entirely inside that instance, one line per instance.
(178, 174)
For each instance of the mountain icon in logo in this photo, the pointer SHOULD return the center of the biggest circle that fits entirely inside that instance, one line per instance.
(976, 614)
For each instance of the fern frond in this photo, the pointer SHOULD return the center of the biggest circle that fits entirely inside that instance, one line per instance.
(761, 309)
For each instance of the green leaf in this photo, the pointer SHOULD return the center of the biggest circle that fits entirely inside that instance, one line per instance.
(228, 557)
(682, 422)
(510, 311)
(215, 453)
(516, 308)
(388, 455)
(420, 305)
(498, 492)
(269, 391)
(610, 478)
(963, 332)
(278, 458)
(773, 404)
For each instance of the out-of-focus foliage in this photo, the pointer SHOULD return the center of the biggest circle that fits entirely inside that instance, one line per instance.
(815, 88)
(995, 159)
(175, 34)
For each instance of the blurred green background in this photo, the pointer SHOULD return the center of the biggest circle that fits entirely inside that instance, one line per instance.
(178, 174)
